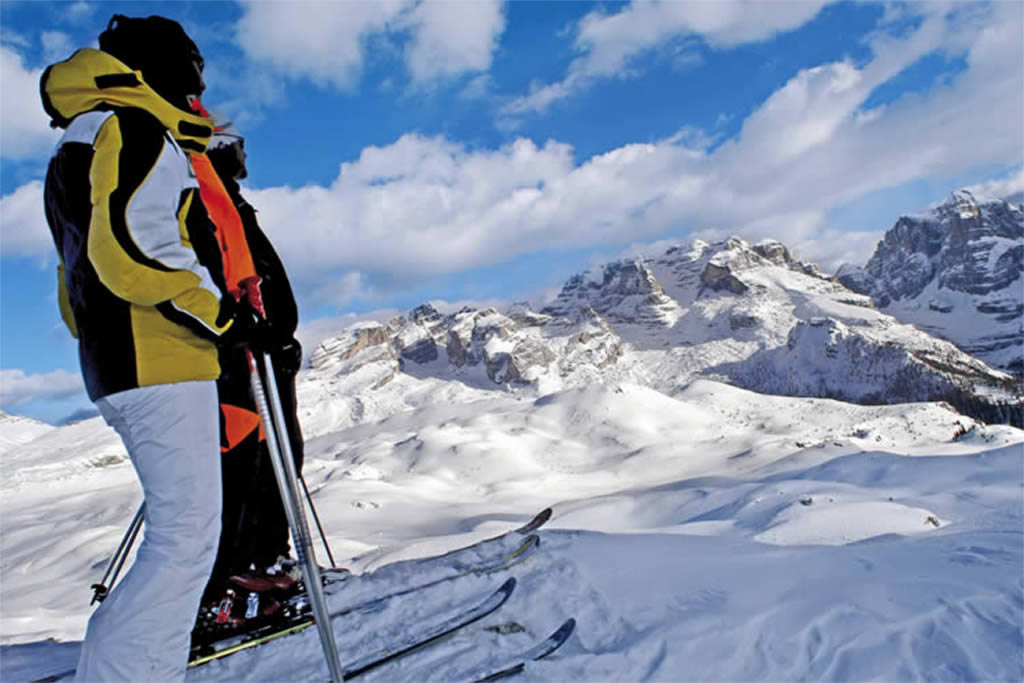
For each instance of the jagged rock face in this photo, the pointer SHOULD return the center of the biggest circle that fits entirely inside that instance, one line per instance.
(492, 340)
(824, 357)
(965, 265)
(591, 341)
(723, 270)
(719, 278)
(626, 292)
(416, 344)
(956, 272)
(368, 343)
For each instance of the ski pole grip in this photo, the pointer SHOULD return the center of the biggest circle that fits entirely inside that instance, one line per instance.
(254, 295)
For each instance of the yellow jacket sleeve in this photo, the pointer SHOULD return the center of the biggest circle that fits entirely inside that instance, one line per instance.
(138, 243)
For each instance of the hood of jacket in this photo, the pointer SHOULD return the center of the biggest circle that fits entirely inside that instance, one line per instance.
(91, 79)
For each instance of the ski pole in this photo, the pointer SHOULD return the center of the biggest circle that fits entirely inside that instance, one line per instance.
(316, 518)
(101, 590)
(284, 472)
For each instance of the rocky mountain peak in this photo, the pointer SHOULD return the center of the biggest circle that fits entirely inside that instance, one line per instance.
(622, 292)
(956, 271)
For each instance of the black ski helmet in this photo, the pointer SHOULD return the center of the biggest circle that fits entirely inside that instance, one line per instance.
(169, 60)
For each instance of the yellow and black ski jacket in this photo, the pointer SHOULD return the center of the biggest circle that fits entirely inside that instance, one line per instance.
(140, 277)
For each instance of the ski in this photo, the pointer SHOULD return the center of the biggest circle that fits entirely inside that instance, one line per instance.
(52, 678)
(461, 566)
(539, 520)
(538, 651)
(251, 640)
(244, 641)
(395, 651)
(432, 635)
(520, 554)
(239, 642)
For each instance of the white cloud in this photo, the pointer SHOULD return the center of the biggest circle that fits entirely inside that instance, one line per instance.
(322, 41)
(423, 206)
(14, 40)
(328, 42)
(341, 291)
(24, 127)
(79, 11)
(23, 229)
(453, 38)
(57, 46)
(17, 388)
(446, 307)
(1001, 188)
(477, 88)
(608, 42)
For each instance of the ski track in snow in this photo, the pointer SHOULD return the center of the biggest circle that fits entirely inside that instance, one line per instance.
(714, 535)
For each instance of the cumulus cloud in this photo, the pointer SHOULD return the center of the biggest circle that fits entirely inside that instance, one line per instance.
(607, 43)
(24, 127)
(328, 42)
(427, 205)
(23, 224)
(1001, 188)
(452, 38)
(79, 11)
(341, 290)
(18, 388)
(57, 46)
(322, 41)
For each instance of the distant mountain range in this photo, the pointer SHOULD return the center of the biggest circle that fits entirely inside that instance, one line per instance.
(748, 314)
(935, 315)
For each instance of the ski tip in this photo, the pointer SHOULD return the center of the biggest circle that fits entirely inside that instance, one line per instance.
(565, 630)
(539, 520)
(508, 586)
(555, 640)
(61, 676)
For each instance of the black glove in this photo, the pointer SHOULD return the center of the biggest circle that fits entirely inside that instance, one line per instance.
(248, 328)
(288, 357)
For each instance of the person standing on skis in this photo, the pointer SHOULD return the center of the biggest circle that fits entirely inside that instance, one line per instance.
(140, 286)
(254, 555)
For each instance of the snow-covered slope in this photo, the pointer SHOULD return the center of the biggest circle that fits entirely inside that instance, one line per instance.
(955, 271)
(16, 430)
(805, 538)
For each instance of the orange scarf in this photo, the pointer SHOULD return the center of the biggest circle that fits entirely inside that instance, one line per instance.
(239, 270)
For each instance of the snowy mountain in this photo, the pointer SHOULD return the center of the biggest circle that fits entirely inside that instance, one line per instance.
(884, 530)
(955, 271)
(751, 315)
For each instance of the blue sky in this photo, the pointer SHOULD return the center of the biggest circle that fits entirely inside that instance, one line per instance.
(403, 151)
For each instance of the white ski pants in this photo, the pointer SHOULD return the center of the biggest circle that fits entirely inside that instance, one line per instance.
(141, 631)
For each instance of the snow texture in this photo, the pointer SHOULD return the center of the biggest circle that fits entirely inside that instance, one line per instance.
(714, 535)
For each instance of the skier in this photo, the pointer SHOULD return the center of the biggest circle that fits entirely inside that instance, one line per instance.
(140, 286)
(254, 554)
